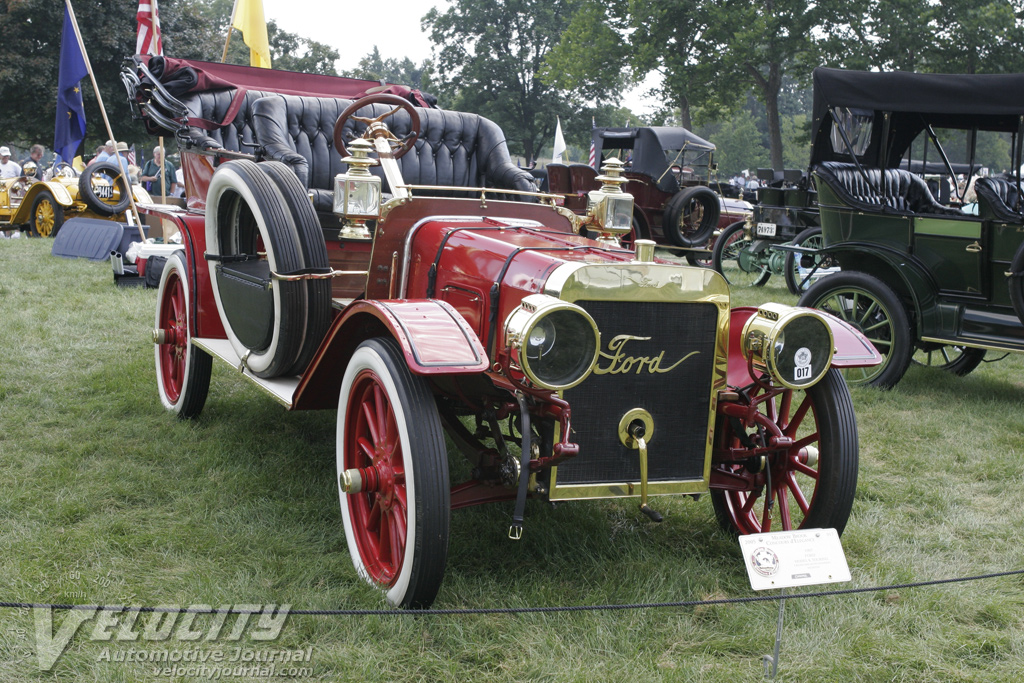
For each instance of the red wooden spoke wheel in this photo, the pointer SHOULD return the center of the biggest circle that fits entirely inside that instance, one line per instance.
(793, 466)
(182, 370)
(377, 451)
(390, 439)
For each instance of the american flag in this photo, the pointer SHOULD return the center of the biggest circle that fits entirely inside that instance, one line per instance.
(149, 41)
(130, 154)
(593, 157)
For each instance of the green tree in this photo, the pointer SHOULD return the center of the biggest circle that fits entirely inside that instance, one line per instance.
(591, 59)
(708, 54)
(609, 45)
(291, 52)
(993, 151)
(373, 67)
(762, 41)
(976, 36)
(30, 59)
(288, 51)
(490, 58)
(950, 36)
(796, 140)
(875, 34)
(738, 143)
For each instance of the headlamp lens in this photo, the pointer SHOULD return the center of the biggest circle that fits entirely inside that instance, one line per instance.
(560, 347)
(806, 359)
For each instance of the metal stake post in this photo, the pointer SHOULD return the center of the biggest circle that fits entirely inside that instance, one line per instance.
(771, 662)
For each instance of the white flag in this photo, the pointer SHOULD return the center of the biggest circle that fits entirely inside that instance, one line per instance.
(556, 156)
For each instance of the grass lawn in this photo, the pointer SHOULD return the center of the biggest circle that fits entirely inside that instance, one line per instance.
(105, 498)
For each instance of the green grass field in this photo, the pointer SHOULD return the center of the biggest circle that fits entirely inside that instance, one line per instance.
(105, 498)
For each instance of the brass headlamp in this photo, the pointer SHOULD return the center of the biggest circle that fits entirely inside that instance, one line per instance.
(609, 209)
(357, 192)
(555, 343)
(793, 345)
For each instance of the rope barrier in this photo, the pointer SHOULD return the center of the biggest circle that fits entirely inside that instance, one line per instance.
(512, 610)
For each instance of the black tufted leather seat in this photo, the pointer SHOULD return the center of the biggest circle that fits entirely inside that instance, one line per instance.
(998, 199)
(207, 110)
(890, 190)
(454, 148)
(299, 132)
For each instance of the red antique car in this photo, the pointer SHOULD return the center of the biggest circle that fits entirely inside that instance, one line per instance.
(430, 291)
(669, 172)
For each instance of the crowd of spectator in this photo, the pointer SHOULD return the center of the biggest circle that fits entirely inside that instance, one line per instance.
(33, 166)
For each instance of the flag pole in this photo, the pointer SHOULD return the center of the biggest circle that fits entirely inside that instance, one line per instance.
(231, 23)
(163, 170)
(103, 111)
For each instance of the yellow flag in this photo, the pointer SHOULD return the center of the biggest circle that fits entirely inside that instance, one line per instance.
(249, 19)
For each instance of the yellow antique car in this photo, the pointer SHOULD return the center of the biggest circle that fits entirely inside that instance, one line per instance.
(43, 206)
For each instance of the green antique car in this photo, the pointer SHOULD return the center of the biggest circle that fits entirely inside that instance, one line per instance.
(782, 237)
(929, 273)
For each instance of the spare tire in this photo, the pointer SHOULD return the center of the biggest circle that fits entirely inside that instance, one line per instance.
(265, 319)
(314, 255)
(691, 216)
(1016, 282)
(104, 188)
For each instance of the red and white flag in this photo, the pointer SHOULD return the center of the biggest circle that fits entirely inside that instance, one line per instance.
(149, 41)
(593, 157)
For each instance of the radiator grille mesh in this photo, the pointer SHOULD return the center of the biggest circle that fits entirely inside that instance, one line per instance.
(679, 400)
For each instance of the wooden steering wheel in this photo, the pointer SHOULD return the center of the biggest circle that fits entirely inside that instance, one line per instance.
(375, 128)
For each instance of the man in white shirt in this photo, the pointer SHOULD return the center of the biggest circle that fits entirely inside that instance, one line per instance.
(8, 168)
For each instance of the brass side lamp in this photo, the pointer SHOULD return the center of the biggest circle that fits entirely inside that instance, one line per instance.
(609, 209)
(357, 192)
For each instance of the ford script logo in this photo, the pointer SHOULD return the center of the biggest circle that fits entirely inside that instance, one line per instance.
(619, 363)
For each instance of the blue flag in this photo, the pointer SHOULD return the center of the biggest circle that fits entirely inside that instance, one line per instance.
(70, 129)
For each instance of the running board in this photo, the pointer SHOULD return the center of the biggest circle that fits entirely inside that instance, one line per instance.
(282, 389)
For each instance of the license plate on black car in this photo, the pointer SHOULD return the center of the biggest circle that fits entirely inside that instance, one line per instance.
(765, 230)
(107, 192)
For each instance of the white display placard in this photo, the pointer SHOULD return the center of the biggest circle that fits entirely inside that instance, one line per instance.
(784, 559)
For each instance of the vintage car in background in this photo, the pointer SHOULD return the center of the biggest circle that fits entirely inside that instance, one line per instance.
(919, 276)
(433, 291)
(669, 171)
(781, 236)
(42, 206)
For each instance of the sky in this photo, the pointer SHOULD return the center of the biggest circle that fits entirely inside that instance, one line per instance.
(399, 34)
(396, 33)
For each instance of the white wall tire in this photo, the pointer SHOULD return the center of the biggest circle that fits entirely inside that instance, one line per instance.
(385, 410)
(182, 370)
(314, 256)
(246, 211)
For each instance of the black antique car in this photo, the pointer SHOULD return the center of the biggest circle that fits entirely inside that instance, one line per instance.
(942, 280)
(780, 238)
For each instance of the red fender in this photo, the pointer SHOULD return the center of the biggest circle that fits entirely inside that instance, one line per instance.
(433, 336)
(853, 350)
(205, 321)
